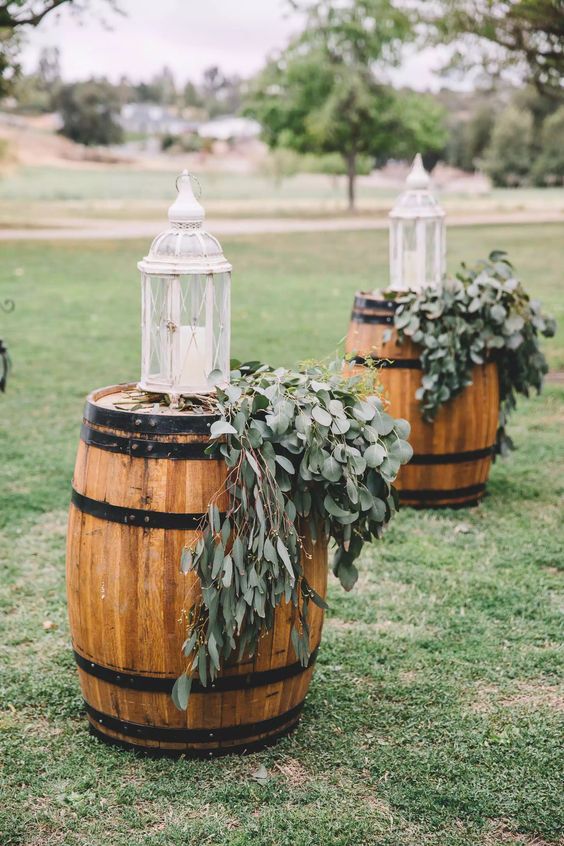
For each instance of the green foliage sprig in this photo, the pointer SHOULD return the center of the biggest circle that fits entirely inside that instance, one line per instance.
(484, 311)
(309, 453)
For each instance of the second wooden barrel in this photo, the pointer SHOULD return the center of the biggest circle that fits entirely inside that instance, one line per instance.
(142, 483)
(453, 455)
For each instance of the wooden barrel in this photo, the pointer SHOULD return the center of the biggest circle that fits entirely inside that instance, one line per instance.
(141, 485)
(453, 455)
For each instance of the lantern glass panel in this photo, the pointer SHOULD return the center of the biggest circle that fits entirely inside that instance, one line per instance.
(156, 352)
(188, 330)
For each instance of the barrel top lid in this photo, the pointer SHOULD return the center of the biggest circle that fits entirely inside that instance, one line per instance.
(117, 406)
(126, 398)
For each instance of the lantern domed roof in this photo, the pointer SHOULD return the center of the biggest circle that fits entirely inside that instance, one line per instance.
(185, 247)
(417, 200)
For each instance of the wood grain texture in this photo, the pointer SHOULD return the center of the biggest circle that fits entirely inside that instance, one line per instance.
(465, 424)
(128, 602)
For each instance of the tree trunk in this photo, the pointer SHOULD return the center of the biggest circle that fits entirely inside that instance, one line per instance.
(351, 179)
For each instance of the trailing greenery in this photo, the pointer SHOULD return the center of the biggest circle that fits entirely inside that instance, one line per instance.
(485, 311)
(310, 453)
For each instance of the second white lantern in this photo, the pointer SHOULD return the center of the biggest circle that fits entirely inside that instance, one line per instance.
(417, 235)
(186, 287)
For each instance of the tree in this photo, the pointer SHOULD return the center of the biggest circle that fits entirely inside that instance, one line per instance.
(469, 135)
(527, 35)
(18, 14)
(508, 158)
(89, 112)
(548, 169)
(221, 94)
(322, 95)
(49, 67)
(191, 96)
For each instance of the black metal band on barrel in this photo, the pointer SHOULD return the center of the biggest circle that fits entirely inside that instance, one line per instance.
(148, 424)
(135, 516)
(396, 363)
(165, 734)
(368, 302)
(218, 752)
(140, 448)
(453, 457)
(152, 684)
(429, 495)
(361, 317)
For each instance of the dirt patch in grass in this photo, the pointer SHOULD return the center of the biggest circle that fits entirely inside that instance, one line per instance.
(500, 832)
(530, 695)
(294, 773)
(393, 627)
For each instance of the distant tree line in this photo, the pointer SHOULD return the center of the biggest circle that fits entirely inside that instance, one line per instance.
(324, 100)
(90, 109)
(514, 135)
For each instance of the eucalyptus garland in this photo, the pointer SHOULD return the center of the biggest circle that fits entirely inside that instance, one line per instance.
(483, 312)
(310, 452)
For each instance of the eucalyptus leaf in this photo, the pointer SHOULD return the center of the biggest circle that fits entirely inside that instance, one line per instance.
(331, 469)
(181, 691)
(186, 560)
(321, 415)
(222, 427)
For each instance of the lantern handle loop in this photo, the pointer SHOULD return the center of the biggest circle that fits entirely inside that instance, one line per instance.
(194, 179)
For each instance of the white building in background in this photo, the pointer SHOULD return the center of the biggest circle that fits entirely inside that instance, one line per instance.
(152, 119)
(230, 128)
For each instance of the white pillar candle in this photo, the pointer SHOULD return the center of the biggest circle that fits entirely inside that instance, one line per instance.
(193, 371)
(410, 263)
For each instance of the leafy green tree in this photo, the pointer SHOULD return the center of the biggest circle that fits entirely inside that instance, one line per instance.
(508, 158)
(322, 93)
(89, 112)
(419, 126)
(548, 169)
(468, 138)
(523, 34)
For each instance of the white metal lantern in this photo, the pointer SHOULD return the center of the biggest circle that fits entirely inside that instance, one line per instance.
(186, 285)
(417, 235)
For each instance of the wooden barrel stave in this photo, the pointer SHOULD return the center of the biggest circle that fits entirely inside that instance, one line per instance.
(453, 455)
(127, 596)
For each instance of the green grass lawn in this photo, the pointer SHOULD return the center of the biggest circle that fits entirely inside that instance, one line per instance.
(36, 195)
(435, 715)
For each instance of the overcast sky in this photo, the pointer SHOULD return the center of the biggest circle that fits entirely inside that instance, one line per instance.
(186, 35)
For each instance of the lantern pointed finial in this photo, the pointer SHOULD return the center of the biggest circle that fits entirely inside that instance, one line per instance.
(418, 178)
(186, 208)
